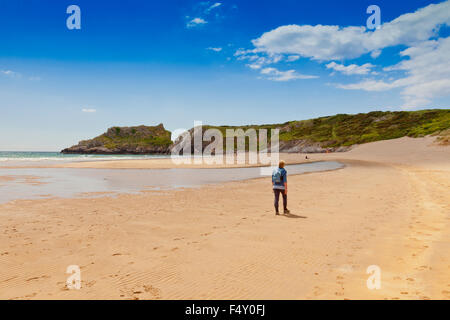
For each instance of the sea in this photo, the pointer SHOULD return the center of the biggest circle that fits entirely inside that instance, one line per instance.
(23, 157)
(26, 175)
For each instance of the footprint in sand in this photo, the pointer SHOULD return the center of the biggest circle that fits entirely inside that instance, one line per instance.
(317, 291)
(149, 289)
(37, 278)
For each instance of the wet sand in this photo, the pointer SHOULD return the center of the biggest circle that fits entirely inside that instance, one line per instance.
(75, 182)
(390, 207)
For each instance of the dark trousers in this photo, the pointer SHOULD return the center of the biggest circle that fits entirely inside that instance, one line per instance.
(277, 198)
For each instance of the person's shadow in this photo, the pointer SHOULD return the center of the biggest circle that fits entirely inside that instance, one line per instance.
(293, 216)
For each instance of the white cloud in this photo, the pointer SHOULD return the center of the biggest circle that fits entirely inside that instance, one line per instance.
(351, 69)
(89, 110)
(427, 74)
(255, 58)
(292, 58)
(13, 74)
(369, 85)
(10, 73)
(277, 75)
(422, 76)
(214, 49)
(196, 22)
(215, 5)
(202, 13)
(375, 54)
(325, 42)
(259, 62)
(254, 66)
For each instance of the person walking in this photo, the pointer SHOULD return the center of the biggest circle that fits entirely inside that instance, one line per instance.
(279, 185)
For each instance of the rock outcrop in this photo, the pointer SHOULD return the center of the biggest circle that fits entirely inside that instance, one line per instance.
(326, 134)
(291, 146)
(340, 132)
(126, 140)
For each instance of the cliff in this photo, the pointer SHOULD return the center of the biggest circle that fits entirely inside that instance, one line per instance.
(326, 134)
(126, 140)
(340, 132)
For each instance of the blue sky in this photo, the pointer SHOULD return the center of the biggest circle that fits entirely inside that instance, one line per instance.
(221, 62)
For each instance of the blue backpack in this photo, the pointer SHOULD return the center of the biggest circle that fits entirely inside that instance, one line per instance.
(277, 177)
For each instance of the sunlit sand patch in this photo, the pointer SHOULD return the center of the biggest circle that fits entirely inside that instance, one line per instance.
(96, 194)
(26, 179)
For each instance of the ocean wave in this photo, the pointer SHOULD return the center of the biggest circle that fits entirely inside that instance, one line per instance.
(77, 158)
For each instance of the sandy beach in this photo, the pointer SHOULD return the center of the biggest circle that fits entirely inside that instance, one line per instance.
(389, 207)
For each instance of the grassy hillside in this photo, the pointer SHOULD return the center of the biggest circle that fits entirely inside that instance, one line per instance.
(334, 133)
(347, 130)
(127, 140)
(142, 136)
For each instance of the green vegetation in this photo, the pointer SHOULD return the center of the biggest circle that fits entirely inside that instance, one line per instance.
(140, 137)
(347, 130)
(314, 135)
(134, 141)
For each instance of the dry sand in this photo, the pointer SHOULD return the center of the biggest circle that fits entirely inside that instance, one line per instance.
(389, 207)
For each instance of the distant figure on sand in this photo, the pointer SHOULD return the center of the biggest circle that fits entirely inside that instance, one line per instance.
(279, 184)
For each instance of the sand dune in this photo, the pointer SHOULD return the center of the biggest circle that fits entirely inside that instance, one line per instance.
(390, 207)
